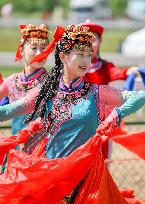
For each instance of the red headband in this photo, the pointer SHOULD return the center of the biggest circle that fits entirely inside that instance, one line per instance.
(59, 31)
(19, 49)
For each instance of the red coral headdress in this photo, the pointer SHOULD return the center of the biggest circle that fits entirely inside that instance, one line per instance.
(32, 33)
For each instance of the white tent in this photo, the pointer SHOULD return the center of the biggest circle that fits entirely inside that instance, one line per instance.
(134, 44)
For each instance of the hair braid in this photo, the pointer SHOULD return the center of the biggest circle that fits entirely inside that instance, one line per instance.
(47, 89)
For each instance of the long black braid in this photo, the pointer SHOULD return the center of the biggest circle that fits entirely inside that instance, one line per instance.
(48, 88)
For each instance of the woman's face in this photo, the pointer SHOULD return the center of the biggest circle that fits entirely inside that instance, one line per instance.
(30, 51)
(96, 46)
(77, 62)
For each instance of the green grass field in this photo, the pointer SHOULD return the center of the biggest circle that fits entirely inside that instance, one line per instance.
(112, 39)
(6, 71)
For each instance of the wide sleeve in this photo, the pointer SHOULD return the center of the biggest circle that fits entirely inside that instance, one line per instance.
(4, 88)
(115, 72)
(109, 98)
(19, 107)
(120, 103)
(134, 100)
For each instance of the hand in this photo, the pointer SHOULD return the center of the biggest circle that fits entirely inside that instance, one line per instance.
(133, 70)
(105, 129)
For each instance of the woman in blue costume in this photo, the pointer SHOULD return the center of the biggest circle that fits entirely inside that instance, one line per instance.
(34, 40)
(71, 109)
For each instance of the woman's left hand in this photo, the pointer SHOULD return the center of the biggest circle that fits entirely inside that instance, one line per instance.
(133, 70)
(105, 130)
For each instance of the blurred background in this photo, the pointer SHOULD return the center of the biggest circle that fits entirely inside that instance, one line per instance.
(123, 43)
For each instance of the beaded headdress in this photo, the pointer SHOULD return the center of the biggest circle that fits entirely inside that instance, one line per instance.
(32, 34)
(75, 36)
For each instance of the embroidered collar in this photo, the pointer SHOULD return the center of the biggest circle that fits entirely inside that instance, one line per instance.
(34, 75)
(25, 83)
(74, 85)
(96, 66)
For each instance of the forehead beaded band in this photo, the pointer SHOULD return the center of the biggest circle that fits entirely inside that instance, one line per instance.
(76, 36)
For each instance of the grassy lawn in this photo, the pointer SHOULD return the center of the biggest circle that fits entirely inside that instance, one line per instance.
(112, 39)
(6, 71)
(9, 38)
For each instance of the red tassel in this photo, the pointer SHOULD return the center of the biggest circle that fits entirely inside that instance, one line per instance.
(57, 35)
(22, 26)
(18, 53)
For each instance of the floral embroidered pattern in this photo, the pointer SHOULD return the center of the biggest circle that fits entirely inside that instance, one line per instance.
(62, 103)
(21, 86)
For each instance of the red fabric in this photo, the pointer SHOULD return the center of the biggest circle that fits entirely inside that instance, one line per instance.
(29, 178)
(22, 26)
(57, 177)
(133, 201)
(7, 143)
(117, 131)
(109, 72)
(129, 196)
(99, 187)
(105, 129)
(105, 149)
(18, 53)
(57, 35)
(120, 130)
(127, 193)
(94, 27)
(19, 50)
(1, 79)
(134, 142)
